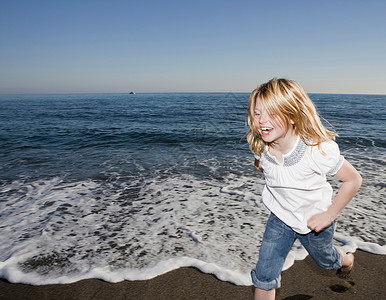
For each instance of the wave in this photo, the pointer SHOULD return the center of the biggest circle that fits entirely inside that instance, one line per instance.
(121, 189)
(349, 141)
(129, 228)
(10, 269)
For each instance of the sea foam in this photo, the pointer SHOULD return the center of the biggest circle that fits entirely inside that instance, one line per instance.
(62, 232)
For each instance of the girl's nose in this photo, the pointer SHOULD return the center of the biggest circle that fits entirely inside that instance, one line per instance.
(263, 118)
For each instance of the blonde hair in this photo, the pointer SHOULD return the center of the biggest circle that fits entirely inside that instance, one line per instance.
(286, 99)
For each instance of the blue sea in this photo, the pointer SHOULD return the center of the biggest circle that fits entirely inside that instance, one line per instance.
(119, 186)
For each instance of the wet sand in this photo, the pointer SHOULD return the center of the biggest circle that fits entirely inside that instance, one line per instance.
(304, 280)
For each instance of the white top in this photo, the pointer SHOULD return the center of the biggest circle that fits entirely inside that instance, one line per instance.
(297, 188)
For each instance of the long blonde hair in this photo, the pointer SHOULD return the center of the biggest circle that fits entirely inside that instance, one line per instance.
(286, 99)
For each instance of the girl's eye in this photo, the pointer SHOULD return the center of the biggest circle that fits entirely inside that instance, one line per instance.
(257, 114)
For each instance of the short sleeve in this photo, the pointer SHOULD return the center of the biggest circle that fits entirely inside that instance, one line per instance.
(329, 160)
(257, 157)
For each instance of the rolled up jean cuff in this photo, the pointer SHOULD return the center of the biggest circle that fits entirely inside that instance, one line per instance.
(273, 284)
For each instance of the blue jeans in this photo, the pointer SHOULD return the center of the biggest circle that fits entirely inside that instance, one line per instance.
(277, 242)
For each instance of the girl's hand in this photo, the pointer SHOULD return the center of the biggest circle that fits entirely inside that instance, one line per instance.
(258, 165)
(351, 182)
(320, 221)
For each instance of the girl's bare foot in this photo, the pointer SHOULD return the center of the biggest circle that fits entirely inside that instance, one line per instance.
(345, 271)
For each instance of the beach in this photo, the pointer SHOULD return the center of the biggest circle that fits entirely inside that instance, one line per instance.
(102, 197)
(304, 280)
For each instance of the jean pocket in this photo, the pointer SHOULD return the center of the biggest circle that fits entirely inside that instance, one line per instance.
(274, 229)
(322, 239)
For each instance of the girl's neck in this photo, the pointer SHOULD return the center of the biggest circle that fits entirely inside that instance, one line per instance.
(284, 145)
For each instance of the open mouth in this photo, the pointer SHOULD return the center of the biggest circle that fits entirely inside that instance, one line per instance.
(266, 130)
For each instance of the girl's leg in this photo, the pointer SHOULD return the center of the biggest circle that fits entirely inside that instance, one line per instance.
(348, 258)
(347, 265)
(319, 246)
(265, 295)
(277, 242)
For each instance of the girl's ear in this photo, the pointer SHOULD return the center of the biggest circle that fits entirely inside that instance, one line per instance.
(292, 122)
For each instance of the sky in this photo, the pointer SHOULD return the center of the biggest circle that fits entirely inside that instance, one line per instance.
(119, 46)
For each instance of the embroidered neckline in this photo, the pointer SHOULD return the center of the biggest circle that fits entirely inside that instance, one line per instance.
(292, 158)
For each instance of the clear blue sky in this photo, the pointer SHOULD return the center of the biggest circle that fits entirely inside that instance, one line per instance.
(204, 46)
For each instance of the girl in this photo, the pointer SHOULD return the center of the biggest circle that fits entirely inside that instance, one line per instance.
(295, 152)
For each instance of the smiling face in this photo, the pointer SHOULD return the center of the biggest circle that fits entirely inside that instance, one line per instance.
(271, 127)
(279, 110)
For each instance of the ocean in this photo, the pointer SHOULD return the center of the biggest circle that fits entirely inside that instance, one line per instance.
(119, 186)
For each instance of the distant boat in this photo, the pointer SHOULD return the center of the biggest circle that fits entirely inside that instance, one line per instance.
(132, 93)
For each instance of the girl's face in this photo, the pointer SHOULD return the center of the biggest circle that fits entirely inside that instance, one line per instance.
(271, 127)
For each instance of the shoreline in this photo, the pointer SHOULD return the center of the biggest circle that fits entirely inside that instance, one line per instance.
(304, 280)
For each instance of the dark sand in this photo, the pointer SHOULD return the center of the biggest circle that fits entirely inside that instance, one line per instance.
(302, 281)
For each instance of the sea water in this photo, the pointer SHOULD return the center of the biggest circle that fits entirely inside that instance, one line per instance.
(118, 186)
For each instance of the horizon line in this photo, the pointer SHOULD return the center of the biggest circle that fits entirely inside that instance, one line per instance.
(180, 92)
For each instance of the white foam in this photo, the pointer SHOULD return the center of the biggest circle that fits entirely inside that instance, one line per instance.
(351, 244)
(12, 273)
(64, 232)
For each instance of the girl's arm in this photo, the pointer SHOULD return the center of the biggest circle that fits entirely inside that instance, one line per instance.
(352, 180)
